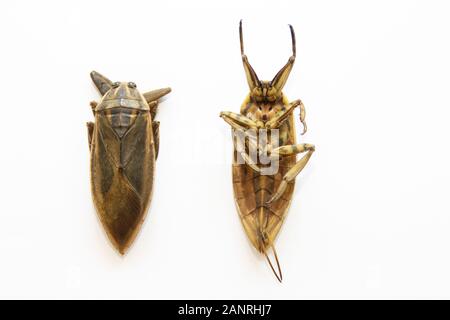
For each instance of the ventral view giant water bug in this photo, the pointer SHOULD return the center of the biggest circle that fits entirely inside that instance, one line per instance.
(124, 143)
(265, 163)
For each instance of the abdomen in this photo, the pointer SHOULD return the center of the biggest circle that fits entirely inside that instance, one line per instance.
(252, 190)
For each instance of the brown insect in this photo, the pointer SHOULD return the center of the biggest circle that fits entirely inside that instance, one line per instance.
(124, 143)
(262, 194)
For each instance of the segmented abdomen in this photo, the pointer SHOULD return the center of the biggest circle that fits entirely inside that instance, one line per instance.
(252, 190)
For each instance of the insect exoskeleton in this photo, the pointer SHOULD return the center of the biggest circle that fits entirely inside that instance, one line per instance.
(124, 143)
(265, 163)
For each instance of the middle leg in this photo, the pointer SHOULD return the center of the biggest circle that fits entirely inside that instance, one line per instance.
(153, 108)
(90, 127)
(155, 127)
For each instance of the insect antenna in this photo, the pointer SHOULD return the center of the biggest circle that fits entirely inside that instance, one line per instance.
(241, 37)
(294, 46)
(252, 78)
(278, 274)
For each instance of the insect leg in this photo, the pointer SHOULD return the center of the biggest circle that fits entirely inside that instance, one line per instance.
(155, 127)
(90, 127)
(302, 117)
(240, 120)
(278, 120)
(152, 99)
(93, 105)
(233, 124)
(102, 83)
(154, 95)
(291, 150)
(153, 108)
(295, 170)
(249, 161)
(240, 148)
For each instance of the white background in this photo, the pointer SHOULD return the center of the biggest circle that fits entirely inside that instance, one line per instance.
(371, 212)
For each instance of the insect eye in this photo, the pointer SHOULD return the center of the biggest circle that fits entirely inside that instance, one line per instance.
(131, 85)
(116, 84)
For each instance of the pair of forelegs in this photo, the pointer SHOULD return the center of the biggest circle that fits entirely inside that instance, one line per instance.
(241, 122)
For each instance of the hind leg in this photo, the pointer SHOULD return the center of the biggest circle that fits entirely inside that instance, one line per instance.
(290, 150)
